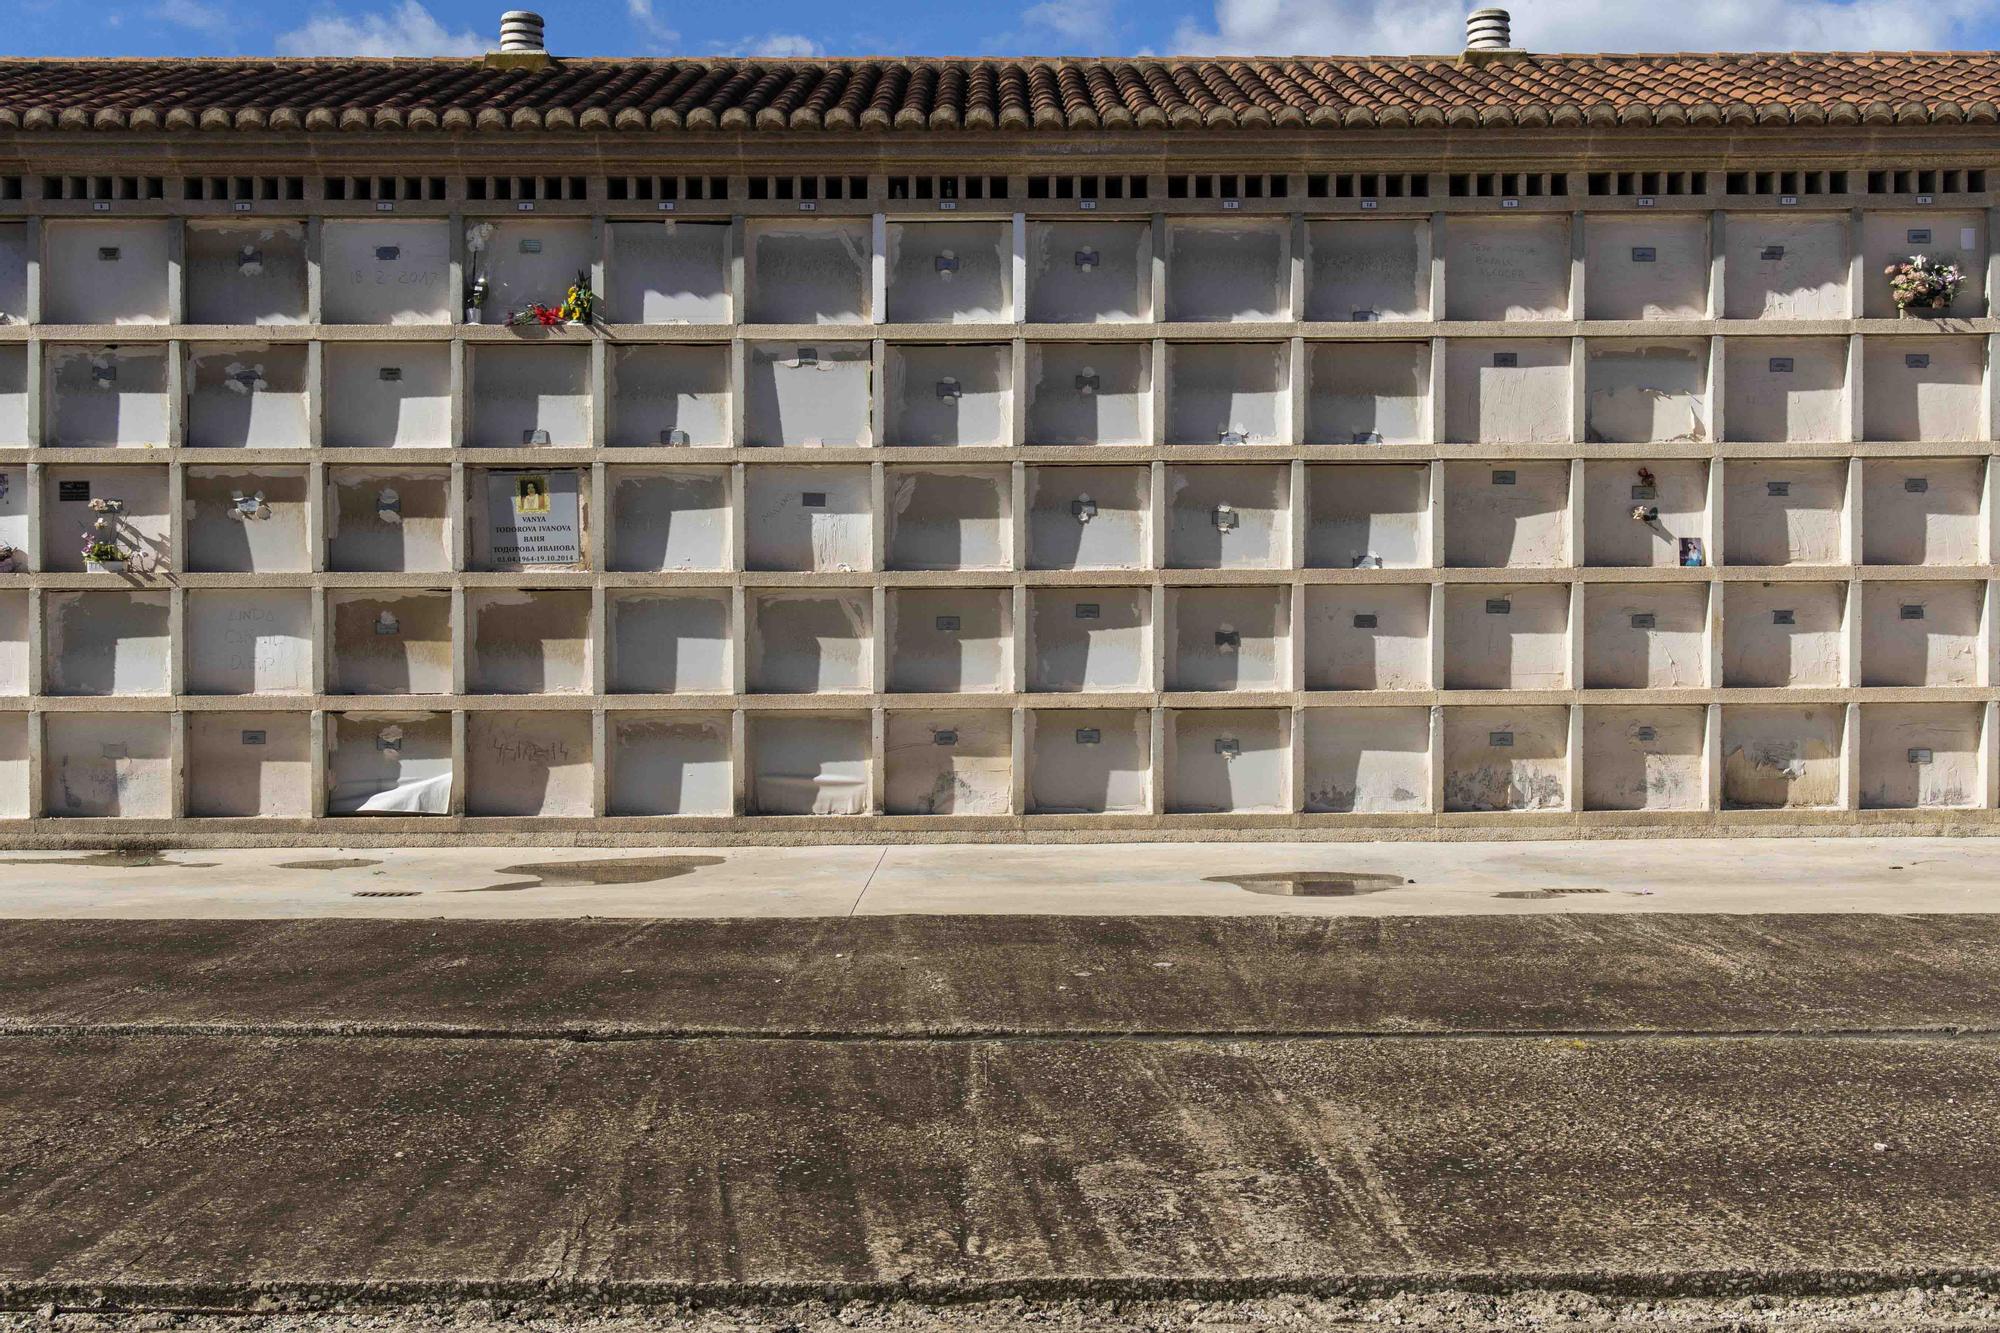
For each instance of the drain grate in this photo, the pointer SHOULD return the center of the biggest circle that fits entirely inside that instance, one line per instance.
(1546, 893)
(1313, 883)
(385, 893)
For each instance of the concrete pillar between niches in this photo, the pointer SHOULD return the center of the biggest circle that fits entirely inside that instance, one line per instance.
(177, 405)
(316, 270)
(1989, 635)
(878, 757)
(32, 557)
(738, 412)
(1576, 612)
(1718, 273)
(1438, 279)
(1434, 516)
(176, 271)
(1435, 762)
(1850, 757)
(1156, 426)
(878, 395)
(1718, 386)
(1295, 746)
(600, 392)
(1020, 276)
(600, 641)
(1435, 394)
(1857, 266)
(1017, 516)
(879, 638)
(177, 764)
(315, 395)
(1579, 391)
(457, 503)
(455, 269)
(459, 418)
(878, 275)
(1851, 516)
(1991, 384)
(1157, 296)
(1157, 516)
(316, 792)
(1711, 757)
(36, 271)
(322, 633)
(1574, 533)
(1992, 274)
(1156, 794)
(601, 759)
(1851, 634)
(739, 761)
(1017, 740)
(1436, 636)
(1712, 638)
(1573, 761)
(598, 519)
(177, 641)
(1293, 429)
(600, 256)
(1159, 638)
(1712, 527)
(738, 245)
(1017, 399)
(177, 519)
(459, 757)
(1579, 273)
(878, 516)
(37, 388)
(461, 639)
(38, 804)
(739, 640)
(1295, 296)
(1023, 638)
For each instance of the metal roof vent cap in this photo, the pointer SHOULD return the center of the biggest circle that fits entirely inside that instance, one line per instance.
(520, 42)
(1488, 33)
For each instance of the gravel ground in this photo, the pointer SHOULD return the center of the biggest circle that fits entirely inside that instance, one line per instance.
(1916, 1310)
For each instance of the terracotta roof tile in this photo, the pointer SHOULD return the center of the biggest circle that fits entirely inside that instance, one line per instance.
(417, 96)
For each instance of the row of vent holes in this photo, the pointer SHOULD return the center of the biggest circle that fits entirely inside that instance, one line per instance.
(1648, 182)
(342, 188)
(527, 187)
(220, 188)
(624, 188)
(947, 187)
(1086, 187)
(808, 187)
(10, 187)
(1952, 180)
(1508, 184)
(1369, 185)
(104, 187)
(1786, 182)
(1227, 187)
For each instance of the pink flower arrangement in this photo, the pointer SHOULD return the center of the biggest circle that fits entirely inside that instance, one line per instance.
(1924, 283)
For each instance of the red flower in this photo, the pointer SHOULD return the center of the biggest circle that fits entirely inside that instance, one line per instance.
(546, 317)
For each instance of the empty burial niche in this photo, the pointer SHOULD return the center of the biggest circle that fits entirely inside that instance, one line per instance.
(1645, 636)
(1506, 638)
(1637, 514)
(1507, 391)
(670, 764)
(1778, 758)
(1957, 237)
(668, 642)
(387, 396)
(1090, 272)
(807, 272)
(1229, 516)
(1923, 388)
(1368, 516)
(1228, 271)
(525, 642)
(249, 765)
(1362, 272)
(1089, 517)
(1229, 638)
(951, 640)
(388, 764)
(1776, 635)
(1228, 393)
(669, 396)
(105, 272)
(123, 505)
(809, 764)
(248, 396)
(665, 518)
(1367, 760)
(667, 272)
(14, 396)
(249, 641)
(387, 521)
(807, 518)
(1090, 393)
(15, 769)
(518, 262)
(1921, 633)
(1089, 640)
(1507, 268)
(1920, 756)
(1373, 636)
(950, 518)
(1784, 513)
(950, 273)
(1368, 393)
(528, 519)
(1922, 511)
(387, 272)
(533, 395)
(939, 395)
(954, 762)
(106, 643)
(1090, 762)
(1652, 267)
(808, 395)
(536, 763)
(1506, 759)
(106, 397)
(1512, 514)
(1644, 758)
(1785, 389)
(15, 675)
(13, 272)
(1228, 761)
(818, 642)
(1640, 391)
(389, 642)
(1785, 267)
(246, 272)
(108, 765)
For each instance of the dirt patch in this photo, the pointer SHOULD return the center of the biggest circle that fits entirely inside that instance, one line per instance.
(1313, 883)
(590, 874)
(1539, 895)
(118, 858)
(349, 863)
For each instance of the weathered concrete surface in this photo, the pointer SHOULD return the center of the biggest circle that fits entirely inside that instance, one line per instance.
(942, 976)
(206, 1165)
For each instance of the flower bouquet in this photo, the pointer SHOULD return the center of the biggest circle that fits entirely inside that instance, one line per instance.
(1923, 283)
(103, 556)
(578, 306)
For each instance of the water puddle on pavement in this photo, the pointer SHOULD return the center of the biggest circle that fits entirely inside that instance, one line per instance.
(122, 858)
(1538, 895)
(1312, 883)
(589, 874)
(349, 863)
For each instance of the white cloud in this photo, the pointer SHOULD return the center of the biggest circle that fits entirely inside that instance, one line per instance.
(780, 45)
(1437, 27)
(1084, 24)
(656, 36)
(406, 30)
(196, 15)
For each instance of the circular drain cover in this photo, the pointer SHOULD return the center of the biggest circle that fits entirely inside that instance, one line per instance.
(385, 893)
(1313, 883)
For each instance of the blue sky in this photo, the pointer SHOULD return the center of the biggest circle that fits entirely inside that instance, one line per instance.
(993, 27)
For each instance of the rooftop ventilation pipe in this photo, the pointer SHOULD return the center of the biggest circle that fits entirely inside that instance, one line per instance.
(520, 42)
(1488, 32)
